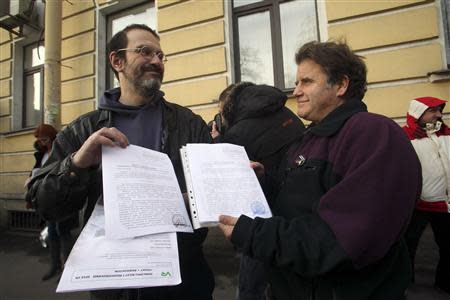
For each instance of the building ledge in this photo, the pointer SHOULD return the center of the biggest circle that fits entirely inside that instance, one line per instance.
(438, 76)
(15, 132)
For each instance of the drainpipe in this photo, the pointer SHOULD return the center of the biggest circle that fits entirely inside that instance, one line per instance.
(52, 70)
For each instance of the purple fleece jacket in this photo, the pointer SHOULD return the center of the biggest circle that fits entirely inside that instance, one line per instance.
(367, 209)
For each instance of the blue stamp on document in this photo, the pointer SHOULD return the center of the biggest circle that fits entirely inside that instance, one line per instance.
(257, 208)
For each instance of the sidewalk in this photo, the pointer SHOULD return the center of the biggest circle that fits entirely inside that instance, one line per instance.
(23, 261)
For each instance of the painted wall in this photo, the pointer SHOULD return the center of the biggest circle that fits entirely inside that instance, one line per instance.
(193, 37)
(402, 42)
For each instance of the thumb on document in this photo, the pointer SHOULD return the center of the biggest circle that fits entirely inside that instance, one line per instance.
(258, 168)
(226, 224)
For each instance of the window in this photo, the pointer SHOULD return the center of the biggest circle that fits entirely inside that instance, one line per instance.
(33, 83)
(141, 14)
(266, 37)
(27, 107)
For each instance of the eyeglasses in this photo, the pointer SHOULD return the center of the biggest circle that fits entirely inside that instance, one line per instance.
(146, 52)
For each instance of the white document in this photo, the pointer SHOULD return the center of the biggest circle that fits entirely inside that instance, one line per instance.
(141, 194)
(98, 263)
(220, 181)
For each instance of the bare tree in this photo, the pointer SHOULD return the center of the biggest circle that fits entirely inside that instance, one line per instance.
(250, 62)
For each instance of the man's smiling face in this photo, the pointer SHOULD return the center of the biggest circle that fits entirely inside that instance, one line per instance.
(145, 73)
(316, 98)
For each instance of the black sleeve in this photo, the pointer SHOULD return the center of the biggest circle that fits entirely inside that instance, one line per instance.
(201, 131)
(305, 245)
(59, 190)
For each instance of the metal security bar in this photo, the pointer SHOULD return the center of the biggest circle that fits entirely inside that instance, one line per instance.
(24, 220)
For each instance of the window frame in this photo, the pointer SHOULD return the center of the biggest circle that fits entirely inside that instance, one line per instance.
(273, 7)
(30, 36)
(28, 72)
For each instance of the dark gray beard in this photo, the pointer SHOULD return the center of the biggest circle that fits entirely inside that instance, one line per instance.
(144, 87)
(147, 87)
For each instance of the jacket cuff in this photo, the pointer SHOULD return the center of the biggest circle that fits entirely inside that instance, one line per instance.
(242, 232)
(72, 172)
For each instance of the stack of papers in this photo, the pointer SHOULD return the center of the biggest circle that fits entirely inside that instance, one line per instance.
(130, 241)
(100, 263)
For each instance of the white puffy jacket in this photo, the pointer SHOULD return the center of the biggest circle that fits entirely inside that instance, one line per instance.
(433, 150)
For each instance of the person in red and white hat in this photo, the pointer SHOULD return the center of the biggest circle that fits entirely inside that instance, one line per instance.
(431, 140)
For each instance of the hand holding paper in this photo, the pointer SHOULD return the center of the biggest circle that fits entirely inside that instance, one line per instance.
(258, 168)
(227, 225)
(220, 181)
(90, 153)
(141, 193)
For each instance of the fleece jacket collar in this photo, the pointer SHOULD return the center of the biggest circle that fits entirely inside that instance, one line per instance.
(331, 124)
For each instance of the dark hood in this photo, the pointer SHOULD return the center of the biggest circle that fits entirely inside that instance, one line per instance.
(110, 101)
(259, 100)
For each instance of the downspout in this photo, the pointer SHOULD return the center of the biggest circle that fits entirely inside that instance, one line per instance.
(52, 69)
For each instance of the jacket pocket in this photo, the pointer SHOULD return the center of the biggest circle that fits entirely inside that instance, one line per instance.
(302, 188)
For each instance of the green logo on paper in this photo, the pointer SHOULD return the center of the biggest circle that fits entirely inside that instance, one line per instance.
(166, 274)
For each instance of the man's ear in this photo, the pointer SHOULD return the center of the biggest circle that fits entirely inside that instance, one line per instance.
(342, 86)
(116, 62)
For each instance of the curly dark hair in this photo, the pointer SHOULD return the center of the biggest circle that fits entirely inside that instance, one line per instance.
(45, 130)
(120, 41)
(337, 60)
(229, 100)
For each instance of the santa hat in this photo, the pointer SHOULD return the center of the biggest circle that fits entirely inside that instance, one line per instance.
(416, 109)
(419, 105)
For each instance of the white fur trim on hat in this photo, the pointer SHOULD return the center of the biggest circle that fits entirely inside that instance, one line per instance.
(416, 109)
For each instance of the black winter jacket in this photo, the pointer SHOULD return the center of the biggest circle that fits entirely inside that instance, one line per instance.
(263, 125)
(59, 189)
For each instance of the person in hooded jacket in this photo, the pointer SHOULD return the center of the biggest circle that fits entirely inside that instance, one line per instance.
(60, 240)
(255, 116)
(135, 113)
(431, 140)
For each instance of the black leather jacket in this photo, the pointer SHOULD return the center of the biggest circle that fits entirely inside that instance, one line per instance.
(59, 189)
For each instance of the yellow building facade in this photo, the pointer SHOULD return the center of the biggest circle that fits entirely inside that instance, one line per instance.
(405, 43)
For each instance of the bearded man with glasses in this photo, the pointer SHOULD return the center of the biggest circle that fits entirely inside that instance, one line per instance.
(135, 113)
